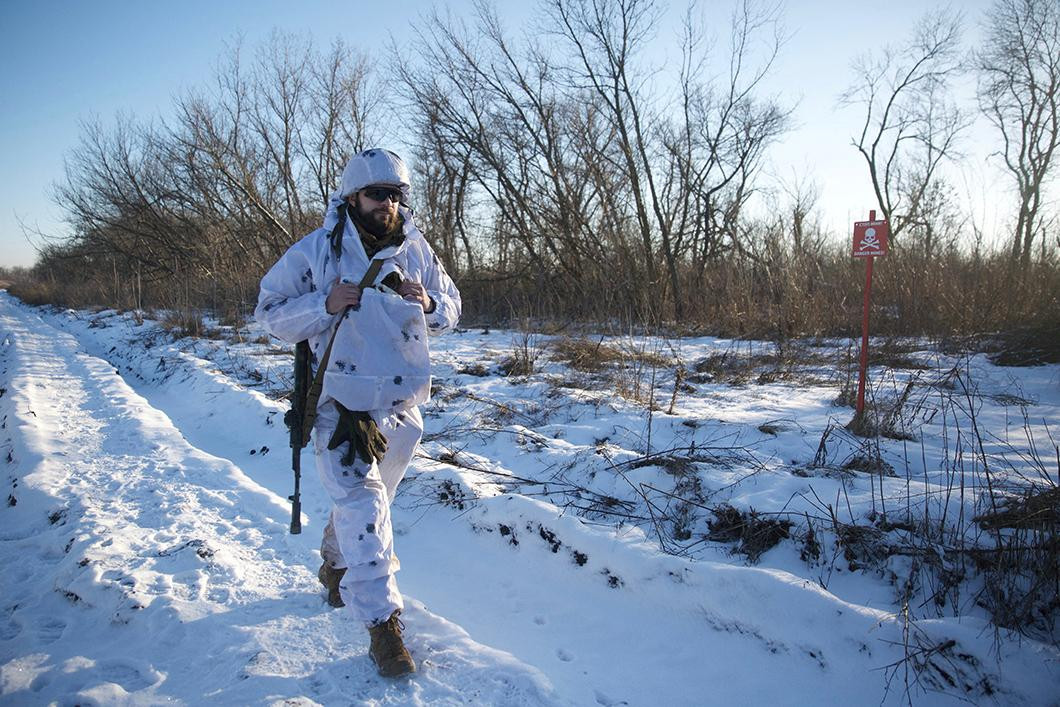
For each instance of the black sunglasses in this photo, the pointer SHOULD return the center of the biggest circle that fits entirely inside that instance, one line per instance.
(381, 194)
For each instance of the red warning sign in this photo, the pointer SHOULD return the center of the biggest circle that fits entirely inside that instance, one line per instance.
(870, 238)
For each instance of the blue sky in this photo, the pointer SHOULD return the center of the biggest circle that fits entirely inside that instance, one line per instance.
(64, 62)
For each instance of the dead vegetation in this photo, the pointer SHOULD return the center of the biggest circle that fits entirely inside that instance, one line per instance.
(870, 463)
(1029, 346)
(632, 369)
(588, 356)
(753, 533)
(975, 537)
(584, 354)
(474, 368)
(745, 363)
(184, 323)
(522, 360)
(1034, 509)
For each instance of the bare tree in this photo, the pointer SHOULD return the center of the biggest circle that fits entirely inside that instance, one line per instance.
(341, 107)
(801, 213)
(565, 156)
(1019, 87)
(210, 198)
(114, 197)
(725, 131)
(606, 36)
(505, 149)
(910, 123)
(688, 177)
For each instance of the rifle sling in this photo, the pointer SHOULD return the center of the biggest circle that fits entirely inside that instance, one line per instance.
(313, 397)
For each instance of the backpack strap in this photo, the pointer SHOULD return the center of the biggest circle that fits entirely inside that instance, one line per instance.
(336, 233)
(313, 397)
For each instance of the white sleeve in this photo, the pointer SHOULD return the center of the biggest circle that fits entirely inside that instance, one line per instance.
(290, 306)
(441, 288)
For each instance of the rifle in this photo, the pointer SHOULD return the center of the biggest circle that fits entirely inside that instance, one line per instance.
(294, 420)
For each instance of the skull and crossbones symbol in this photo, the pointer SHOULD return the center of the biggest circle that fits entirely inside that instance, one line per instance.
(871, 241)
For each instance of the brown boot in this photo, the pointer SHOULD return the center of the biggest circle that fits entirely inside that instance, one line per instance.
(388, 651)
(330, 578)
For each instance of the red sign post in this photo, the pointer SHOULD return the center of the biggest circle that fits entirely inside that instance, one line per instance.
(870, 241)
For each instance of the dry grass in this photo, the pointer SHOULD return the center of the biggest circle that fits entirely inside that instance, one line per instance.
(782, 296)
(1029, 346)
(1032, 509)
(730, 367)
(522, 361)
(180, 324)
(37, 293)
(776, 296)
(739, 365)
(754, 533)
(584, 354)
(589, 356)
(870, 463)
(234, 319)
(894, 352)
(475, 368)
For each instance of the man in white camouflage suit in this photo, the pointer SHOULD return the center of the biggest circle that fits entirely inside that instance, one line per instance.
(368, 423)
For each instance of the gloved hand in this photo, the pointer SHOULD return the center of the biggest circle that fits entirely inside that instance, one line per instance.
(359, 429)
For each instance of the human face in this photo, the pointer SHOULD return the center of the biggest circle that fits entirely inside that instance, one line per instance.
(378, 207)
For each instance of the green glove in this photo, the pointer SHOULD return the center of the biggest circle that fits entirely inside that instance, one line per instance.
(359, 429)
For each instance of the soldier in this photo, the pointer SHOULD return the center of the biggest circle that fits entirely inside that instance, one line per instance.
(365, 289)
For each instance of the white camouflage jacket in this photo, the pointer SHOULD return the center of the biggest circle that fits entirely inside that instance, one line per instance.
(380, 357)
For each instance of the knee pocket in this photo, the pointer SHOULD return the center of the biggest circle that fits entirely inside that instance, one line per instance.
(366, 544)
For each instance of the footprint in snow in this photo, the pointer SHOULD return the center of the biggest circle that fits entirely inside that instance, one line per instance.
(219, 595)
(130, 677)
(606, 701)
(50, 630)
(564, 655)
(9, 630)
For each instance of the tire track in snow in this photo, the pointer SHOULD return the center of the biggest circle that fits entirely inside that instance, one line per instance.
(140, 569)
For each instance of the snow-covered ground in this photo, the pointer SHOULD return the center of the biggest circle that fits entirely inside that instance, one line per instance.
(559, 537)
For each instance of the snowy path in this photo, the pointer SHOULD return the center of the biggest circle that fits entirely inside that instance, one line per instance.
(139, 569)
(147, 561)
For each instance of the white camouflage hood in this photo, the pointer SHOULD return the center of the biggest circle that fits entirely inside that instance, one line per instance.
(374, 166)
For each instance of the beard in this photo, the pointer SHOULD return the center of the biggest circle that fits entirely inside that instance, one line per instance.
(378, 222)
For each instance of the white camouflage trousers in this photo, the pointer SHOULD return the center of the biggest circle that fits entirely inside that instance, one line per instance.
(358, 535)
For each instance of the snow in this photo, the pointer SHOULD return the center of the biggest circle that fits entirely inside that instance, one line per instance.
(147, 558)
